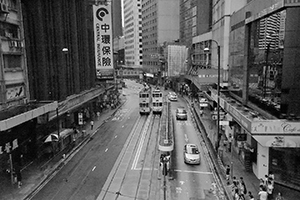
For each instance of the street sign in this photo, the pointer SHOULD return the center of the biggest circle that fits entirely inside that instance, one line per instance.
(80, 119)
(224, 123)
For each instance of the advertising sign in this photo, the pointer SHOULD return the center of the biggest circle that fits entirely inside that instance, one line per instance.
(278, 141)
(177, 56)
(103, 41)
(275, 127)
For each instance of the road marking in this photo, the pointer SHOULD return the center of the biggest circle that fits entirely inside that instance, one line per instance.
(145, 169)
(186, 138)
(106, 150)
(178, 189)
(94, 168)
(141, 144)
(196, 172)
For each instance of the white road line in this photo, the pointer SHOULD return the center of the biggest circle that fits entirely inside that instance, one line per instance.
(142, 140)
(186, 138)
(106, 150)
(196, 172)
(94, 168)
(146, 169)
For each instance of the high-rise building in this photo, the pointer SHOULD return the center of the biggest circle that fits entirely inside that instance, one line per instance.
(117, 18)
(195, 19)
(133, 33)
(47, 77)
(160, 21)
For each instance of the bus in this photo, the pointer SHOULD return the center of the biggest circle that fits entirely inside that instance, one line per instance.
(157, 101)
(145, 101)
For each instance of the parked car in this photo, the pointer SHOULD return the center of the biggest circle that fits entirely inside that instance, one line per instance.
(181, 113)
(172, 96)
(191, 154)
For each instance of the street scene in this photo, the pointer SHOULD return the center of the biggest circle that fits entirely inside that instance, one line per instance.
(149, 100)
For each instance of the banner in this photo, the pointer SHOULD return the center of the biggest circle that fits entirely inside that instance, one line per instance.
(103, 41)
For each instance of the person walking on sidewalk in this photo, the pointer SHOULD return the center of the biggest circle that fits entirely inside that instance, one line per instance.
(279, 196)
(242, 186)
(227, 174)
(19, 177)
(263, 195)
(92, 124)
(251, 197)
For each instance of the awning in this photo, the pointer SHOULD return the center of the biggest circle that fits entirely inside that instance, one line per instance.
(52, 138)
(278, 141)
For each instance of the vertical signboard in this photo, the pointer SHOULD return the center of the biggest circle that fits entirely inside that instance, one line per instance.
(103, 41)
(177, 56)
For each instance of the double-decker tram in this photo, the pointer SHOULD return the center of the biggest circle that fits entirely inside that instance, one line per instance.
(157, 101)
(145, 101)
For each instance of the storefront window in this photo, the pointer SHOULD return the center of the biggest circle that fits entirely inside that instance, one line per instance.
(284, 163)
(265, 60)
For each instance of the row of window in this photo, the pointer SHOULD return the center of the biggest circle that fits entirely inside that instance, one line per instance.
(153, 21)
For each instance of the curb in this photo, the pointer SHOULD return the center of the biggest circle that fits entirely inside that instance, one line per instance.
(62, 162)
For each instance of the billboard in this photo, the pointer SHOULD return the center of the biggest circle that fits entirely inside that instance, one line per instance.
(103, 41)
(177, 57)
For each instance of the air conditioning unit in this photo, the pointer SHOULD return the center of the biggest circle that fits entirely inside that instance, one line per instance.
(4, 8)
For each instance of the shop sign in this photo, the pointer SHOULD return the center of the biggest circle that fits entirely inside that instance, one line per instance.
(224, 123)
(80, 119)
(275, 127)
(9, 146)
(240, 118)
(278, 141)
(103, 41)
(203, 104)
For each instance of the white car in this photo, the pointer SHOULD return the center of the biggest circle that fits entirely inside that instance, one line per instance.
(172, 96)
(181, 113)
(191, 154)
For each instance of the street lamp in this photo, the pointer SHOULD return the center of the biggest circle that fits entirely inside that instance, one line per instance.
(218, 94)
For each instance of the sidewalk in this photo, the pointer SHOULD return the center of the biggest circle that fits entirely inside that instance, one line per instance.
(37, 172)
(209, 127)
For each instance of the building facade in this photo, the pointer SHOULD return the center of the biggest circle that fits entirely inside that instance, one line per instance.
(133, 33)
(160, 25)
(117, 18)
(47, 76)
(264, 64)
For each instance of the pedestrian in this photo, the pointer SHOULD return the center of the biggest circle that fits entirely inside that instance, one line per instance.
(263, 195)
(261, 184)
(266, 180)
(279, 196)
(242, 186)
(270, 188)
(251, 197)
(241, 197)
(234, 181)
(229, 142)
(19, 177)
(227, 174)
(92, 124)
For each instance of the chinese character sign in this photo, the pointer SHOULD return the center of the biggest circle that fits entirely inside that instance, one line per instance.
(103, 41)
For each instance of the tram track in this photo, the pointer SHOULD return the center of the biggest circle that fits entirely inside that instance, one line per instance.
(145, 182)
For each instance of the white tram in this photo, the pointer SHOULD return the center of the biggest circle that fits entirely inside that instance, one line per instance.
(157, 101)
(145, 101)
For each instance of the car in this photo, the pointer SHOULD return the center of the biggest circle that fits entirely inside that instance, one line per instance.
(181, 113)
(172, 96)
(191, 154)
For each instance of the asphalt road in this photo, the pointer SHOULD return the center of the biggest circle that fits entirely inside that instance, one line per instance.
(190, 181)
(85, 174)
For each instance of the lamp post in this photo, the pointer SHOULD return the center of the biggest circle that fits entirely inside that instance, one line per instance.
(218, 93)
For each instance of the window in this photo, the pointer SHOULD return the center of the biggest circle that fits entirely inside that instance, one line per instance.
(12, 61)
